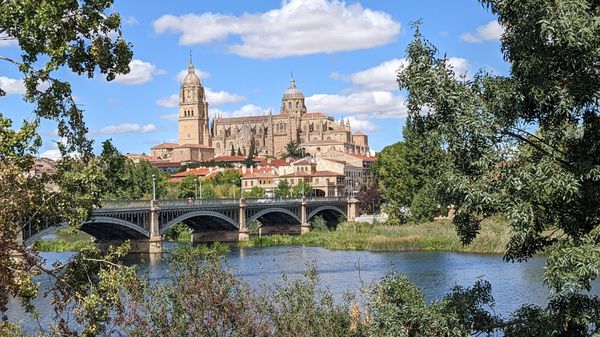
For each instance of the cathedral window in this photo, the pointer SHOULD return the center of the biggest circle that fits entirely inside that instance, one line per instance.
(289, 105)
(297, 105)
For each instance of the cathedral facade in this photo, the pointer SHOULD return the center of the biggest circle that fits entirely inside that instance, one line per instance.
(268, 135)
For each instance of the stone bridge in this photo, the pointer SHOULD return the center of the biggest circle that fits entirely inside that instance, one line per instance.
(144, 222)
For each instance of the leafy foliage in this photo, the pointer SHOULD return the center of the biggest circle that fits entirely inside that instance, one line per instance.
(408, 171)
(293, 150)
(302, 189)
(369, 198)
(318, 223)
(283, 189)
(526, 146)
(255, 192)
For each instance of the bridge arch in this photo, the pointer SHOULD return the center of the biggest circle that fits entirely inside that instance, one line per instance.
(288, 216)
(101, 228)
(210, 220)
(331, 214)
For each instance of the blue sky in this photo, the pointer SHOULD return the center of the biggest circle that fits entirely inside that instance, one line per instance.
(342, 54)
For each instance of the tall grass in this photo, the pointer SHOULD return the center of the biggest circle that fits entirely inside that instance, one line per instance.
(437, 235)
(62, 245)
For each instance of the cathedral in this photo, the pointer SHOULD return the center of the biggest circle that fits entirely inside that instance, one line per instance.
(268, 135)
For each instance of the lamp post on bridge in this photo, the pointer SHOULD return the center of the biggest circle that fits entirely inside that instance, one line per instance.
(153, 186)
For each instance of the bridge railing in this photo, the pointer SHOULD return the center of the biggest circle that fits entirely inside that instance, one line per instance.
(326, 199)
(196, 202)
(125, 204)
(113, 204)
(267, 201)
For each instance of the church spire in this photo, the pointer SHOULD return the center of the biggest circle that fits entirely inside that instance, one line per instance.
(292, 80)
(191, 65)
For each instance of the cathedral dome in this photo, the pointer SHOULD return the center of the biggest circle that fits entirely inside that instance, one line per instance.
(191, 77)
(293, 91)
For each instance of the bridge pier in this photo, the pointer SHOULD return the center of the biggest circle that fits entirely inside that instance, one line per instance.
(155, 241)
(352, 208)
(304, 225)
(244, 233)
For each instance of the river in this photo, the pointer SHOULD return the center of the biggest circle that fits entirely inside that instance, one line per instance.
(435, 273)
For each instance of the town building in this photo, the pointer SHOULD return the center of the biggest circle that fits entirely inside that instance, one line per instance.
(266, 136)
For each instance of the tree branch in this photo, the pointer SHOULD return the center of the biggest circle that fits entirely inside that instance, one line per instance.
(534, 145)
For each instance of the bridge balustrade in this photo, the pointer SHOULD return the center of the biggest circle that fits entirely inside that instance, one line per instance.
(327, 199)
(267, 201)
(195, 202)
(110, 204)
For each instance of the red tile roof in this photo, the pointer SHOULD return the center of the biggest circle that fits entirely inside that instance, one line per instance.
(197, 172)
(194, 146)
(327, 174)
(165, 146)
(362, 156)
(229, 158)
(164, 163)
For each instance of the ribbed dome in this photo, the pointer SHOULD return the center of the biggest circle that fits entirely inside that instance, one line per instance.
(293, 91)
(191, 77)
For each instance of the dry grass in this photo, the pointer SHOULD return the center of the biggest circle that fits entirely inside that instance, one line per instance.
(437, 235)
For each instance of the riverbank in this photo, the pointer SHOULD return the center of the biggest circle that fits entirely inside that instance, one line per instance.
(439, 235)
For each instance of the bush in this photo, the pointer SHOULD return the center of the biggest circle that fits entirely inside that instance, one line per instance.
(318, 223)
(423, 206)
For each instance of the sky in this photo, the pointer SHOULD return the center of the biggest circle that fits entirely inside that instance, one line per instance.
(343, 56)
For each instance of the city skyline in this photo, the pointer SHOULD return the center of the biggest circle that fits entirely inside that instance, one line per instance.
(245, 52)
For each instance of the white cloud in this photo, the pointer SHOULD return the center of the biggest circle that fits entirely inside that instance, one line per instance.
(7, 41)
(12, 86)
(168, 102)
(362, 125)
(299, 27)
(127, 128)
(222, 97)
(130, 21)
(490, 31)
(214, 98)
(380, 77)
(461, 67)
(364, 105)
(140, 73)
(52, 152)
(201, 75)
(383, 77)
(170, 117)
(246, 110)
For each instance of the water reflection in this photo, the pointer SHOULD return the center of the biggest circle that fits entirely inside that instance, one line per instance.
(513, 284)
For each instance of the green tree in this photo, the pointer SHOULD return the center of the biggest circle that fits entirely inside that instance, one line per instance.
(188, 187)
(54, 38)
(526, 145)
(283, 189)
(232, 150)
(113, 168)
(302, 189)
(293, 150)
(255, 192)
(229, 176)
(404, 168)
(239, 152)
(423, 205)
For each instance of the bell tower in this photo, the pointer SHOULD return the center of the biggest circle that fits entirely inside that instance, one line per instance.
(193, 110)
(292, 102)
